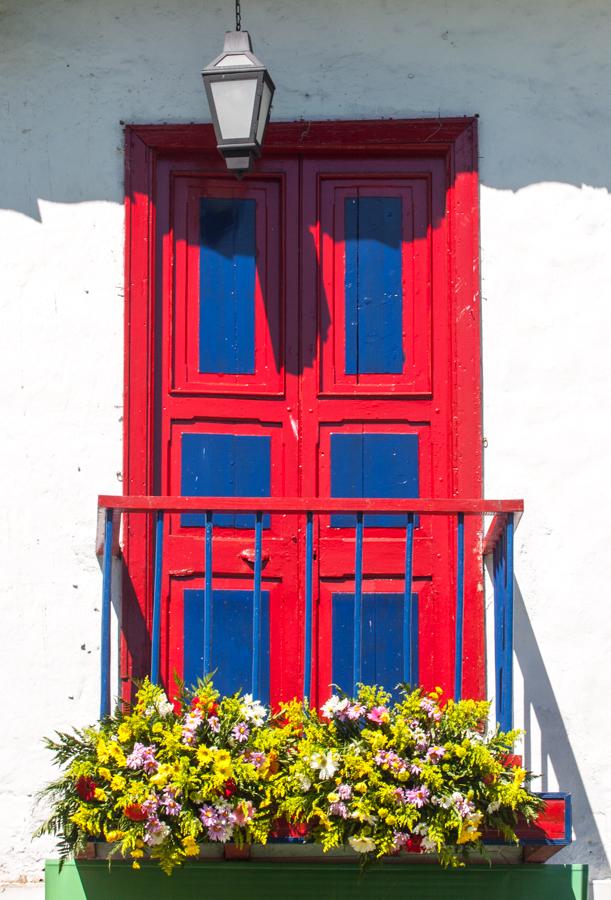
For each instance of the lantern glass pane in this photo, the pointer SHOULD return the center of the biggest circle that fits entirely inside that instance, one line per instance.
(234, 102)
(234, 59)
(266, 99)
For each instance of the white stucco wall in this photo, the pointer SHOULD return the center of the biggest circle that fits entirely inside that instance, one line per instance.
(537, 72)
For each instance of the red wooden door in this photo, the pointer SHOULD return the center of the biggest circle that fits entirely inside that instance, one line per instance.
(306, 344)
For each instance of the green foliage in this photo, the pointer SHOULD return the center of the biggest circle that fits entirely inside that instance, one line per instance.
(162, 778)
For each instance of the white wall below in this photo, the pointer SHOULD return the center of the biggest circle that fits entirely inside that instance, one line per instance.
(537, 72)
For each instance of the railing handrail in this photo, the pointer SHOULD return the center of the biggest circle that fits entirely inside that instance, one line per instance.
(428, 506)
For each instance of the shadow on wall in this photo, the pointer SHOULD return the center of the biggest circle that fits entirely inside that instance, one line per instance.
(555, 750)
(534, 71)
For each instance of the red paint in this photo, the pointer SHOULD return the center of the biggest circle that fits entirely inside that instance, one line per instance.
(298, 394)
(437, 507)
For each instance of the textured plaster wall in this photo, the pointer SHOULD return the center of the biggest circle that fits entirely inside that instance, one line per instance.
(537, 72)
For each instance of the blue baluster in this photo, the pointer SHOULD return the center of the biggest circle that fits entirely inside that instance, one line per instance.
(358, 603)
(497, 581)
(506, 717)
(157, 573)
(460, 601)
(256, 609)
(106, 604)
(307, 650)
(207, 639)
(407, 602)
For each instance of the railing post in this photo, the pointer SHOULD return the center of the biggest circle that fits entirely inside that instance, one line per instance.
(256, 609)
(358, 603)
(460, 603)
(307, 642)
(207, 636)
(106, 605)
(158, 571)
(503, 631)
(408, 662)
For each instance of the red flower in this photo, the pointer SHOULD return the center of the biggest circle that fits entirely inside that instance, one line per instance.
(135, 812)
(510, 760)
(414, 844)
(195, 702)
(85, 788)
(230, 788)
(213, 708)
(177, 707)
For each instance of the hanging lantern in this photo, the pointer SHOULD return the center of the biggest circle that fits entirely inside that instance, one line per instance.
(239, 91)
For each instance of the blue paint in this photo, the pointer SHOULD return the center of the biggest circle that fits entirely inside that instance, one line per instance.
(232, 640)
(503, 625)
(407, 600)
(460, 604)
(227, 286)
(256, 608)
(357, 625)
(373, 285)
(307, 625)
(374, 465)
(414, 678)
(382, 654)
(225, 465)
(207, 623)
(157, 573)
(105, 626)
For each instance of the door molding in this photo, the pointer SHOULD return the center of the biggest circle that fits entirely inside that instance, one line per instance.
(150, 147)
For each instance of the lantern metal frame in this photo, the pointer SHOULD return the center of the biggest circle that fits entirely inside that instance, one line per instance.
(239, 153)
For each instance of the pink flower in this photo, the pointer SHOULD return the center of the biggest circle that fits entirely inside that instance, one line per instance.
(240, 732)
(339, 809)
(215, 724)
(379, 715)
(344, 791)
(434, 754)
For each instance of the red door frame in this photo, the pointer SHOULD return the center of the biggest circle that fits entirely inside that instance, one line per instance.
(148, 147)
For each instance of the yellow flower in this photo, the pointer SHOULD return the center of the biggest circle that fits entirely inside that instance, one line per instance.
(332, 797)
(112, 836)
(162, 775)
(102, 751)
(204, 756)
(100, 795)
(382, 812)
(190, 846)
(361, 787)
(118, 783)
(469, 830)
(135, 865)
(137, 854)
(124, 732)
(157, 728)
(104, 773)
(117, 754)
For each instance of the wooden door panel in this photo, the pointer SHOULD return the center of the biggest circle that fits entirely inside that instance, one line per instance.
(229, 420)
(378, 399)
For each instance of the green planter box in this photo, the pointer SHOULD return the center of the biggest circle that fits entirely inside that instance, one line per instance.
(93, 880)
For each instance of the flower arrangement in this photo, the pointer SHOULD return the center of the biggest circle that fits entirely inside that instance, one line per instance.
(162, 778)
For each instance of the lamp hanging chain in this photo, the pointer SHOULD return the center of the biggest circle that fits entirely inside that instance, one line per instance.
(238, 16)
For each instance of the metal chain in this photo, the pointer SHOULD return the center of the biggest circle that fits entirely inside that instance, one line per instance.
(238, 16)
